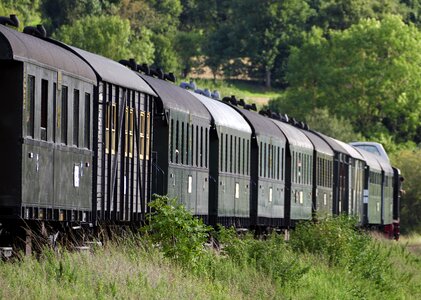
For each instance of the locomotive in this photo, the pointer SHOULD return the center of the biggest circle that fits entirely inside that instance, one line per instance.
(86, 141)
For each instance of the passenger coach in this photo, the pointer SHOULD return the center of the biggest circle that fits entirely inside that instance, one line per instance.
(181, 142)
(45, 130)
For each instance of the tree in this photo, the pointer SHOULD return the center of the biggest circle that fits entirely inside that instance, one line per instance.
(262, 27)
(408, 161)
(342, 14)
(338, 127)
(368, 73)
(26, 10)
(64, 12)
(109, 36)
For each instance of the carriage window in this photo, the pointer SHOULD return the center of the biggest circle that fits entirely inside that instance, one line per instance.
(234, 155)
(192, 145)
(222, 152)
(197, 146)
(282, 164)
(182, 143)
(239, 156)
(177, 144)
(107, 127)
(131, 127)
(171, 136)
(54, 110)
(206, 147)
(187, 143)
(87, 120)
(113, 127)
(244, 156)
(142, 136)
(261, 158)
(30, 106)
(126, 132)
(248, 157)
(44, 109)
(231, 158)
(226, 153)
(201, 146)
(148, 134)
(266, 160)
(64, 109)
(76, 118)
(278, 163)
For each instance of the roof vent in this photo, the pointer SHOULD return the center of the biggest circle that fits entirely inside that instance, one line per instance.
(144, 68)
(292, 121)
(189, 86)
(226, 99)
(158, 73)
(250, 106)
(204, 92)
(11, 21)
(276, 116)
(215, 95)
(233, 100)
(169, 77)
(286, 118)
(131, 63)
(38, 31)
(241, 102)
(306, 127)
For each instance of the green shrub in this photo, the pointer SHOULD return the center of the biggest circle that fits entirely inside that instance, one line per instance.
(179, 235)
(338, 242)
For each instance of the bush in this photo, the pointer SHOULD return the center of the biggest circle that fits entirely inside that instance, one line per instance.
(338, 242)
(179, 235)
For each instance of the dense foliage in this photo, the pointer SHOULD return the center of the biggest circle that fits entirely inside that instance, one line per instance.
(350, 68)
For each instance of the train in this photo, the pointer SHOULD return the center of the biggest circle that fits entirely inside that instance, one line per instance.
(86, 140)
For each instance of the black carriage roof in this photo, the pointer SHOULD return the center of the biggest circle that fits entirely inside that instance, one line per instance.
(332, 143)
(386, 167)
(24, 47)
(319, 144)
(370, 160)
(294, 135)
(351, 150)
(262, 125)
(114, 72)
(224, 115)
(174, 97)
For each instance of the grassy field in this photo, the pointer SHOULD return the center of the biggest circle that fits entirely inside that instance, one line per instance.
(250, 91)
(324, 260)
(130, 270)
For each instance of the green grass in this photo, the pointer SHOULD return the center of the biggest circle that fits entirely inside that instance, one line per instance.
(324, 260)
(250, 91)
(133, 270)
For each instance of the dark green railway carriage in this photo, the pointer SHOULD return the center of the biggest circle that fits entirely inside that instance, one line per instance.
(45, 130)
(299, 172)
(372, 203)
(122, 132)
(340, 174)
(356, 166)
(267, 170)
(323, 175)
(229, 157)
(387, 191)
(181, 146)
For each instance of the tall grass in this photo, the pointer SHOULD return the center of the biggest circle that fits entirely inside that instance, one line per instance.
(325, 260)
